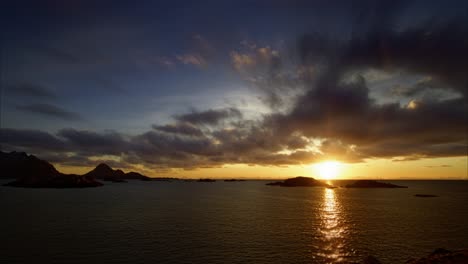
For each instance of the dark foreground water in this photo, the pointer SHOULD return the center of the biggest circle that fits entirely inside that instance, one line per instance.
(229, 222)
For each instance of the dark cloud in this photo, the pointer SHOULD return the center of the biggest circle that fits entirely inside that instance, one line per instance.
(162, 150)
(343, 110)
(107, 143)
(50, 111)
(30, 89)
(209, 117)
(31, 139)
(80, 160)
(180, 128)
(331, 115)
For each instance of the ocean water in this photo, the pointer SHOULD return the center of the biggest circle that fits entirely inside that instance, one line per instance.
(230, 222)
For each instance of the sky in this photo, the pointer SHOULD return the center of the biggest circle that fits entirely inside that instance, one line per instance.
(238, 89)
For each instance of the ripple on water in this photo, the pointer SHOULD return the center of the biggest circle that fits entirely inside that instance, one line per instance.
(333, 230)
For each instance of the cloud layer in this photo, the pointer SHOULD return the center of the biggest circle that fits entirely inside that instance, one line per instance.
(319, 97)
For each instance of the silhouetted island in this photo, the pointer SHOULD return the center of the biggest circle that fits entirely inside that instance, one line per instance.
(29, 171)
(426, 195)
(299, 182)
(206, 180)
(106, 173)
(372, 184)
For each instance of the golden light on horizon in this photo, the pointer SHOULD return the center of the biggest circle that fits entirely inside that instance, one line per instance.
(328, 170)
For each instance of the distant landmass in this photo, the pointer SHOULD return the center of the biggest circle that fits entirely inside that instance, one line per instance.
(300, 182)
(106, 173)
(372, 184)
(426, 195)
(30, 171)
(206, 180)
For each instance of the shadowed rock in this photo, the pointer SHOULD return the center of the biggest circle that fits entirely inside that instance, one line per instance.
(372, 184)
(29, 171)
(106, 173)
(299, 182)
(206, 180)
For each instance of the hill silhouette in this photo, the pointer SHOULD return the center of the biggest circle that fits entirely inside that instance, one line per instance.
(372, 184)
(106, 173)
(30, 171)
(300, 182)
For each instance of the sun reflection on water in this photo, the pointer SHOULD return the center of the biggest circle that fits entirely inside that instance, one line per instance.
(332, 228)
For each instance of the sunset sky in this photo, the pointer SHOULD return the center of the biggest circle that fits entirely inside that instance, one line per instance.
(238, 89)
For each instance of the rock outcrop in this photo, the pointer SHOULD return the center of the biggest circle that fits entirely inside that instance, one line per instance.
(299, 182)
(106, 173)
(29, 171)
(206, 180)
(372, 184)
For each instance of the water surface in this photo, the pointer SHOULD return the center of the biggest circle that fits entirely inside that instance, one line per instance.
(230, 222)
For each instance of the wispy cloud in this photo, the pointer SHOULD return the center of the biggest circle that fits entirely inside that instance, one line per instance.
(254, 56)
(50, 110)
(192, 59)
(209, 117)
(31, 90)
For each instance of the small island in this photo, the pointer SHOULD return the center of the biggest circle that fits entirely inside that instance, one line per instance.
(299, 182)
(372, 184)
(206, 180)
(106, 173)
(426, 195)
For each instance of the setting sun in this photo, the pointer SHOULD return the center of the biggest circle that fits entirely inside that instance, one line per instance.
(328, 169)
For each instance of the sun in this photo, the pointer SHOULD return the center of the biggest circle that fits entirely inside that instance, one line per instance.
(328, 170)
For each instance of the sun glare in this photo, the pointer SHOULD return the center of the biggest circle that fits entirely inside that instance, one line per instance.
(328, 170)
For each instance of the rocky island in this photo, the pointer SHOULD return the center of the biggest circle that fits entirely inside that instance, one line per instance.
(106, 173)
(299, 182)
(426, 195)
(206, 180)
(30, 171)
(372, 184)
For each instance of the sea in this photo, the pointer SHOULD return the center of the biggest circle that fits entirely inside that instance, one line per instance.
(230, 222)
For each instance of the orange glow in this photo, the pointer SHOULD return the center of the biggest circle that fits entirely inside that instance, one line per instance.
(436, 168)
(328, 170)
